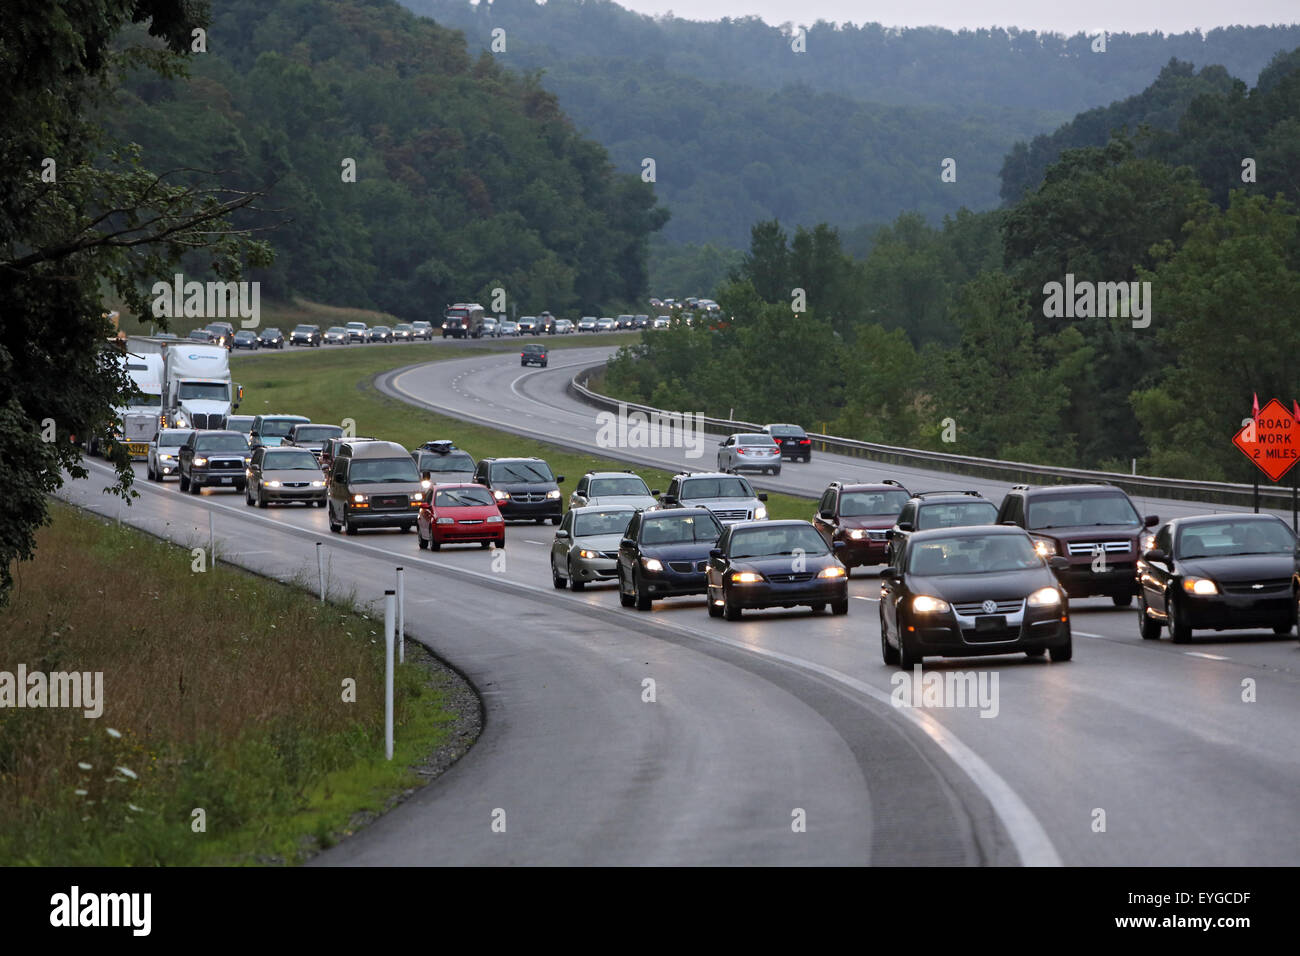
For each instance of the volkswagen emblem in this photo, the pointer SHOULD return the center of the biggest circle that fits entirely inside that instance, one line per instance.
(989, 606)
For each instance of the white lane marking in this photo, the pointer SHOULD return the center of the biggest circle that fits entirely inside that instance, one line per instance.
(1208, 657)
(1027, 834)
(862, 597)
(531, 541)
(1086, 634)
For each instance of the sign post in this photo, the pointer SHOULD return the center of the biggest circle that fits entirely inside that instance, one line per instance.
(1271, 439)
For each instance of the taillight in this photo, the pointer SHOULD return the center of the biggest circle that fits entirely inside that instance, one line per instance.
(740, 451)
(805, 441)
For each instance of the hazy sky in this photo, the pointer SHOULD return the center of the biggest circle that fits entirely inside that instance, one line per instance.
(1131, 16)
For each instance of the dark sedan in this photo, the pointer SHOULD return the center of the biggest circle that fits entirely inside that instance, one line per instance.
(244, 339)
(271, 339)
(665, 554)
(962, 592)
(760, 564)
(1218, 572)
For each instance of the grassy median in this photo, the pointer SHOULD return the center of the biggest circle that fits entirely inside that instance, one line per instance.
(328, 385)
(223, 693)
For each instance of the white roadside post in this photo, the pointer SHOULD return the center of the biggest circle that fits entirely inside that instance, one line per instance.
(401, 616)
(320, 571)
(212, 543)
(389, 601)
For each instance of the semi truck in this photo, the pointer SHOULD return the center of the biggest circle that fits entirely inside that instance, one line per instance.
(197, 389)
(463, 320)
(137, 420)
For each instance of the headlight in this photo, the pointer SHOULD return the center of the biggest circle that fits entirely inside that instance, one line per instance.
(857, 534)
(584, 553)
(760, 512)
(1045, 597)
(1148, 541)
(501, 495)
(1199, 586)
(652, 564)
(1045, 547)
(358, 498)
(318, 484)
(199, 461)
(426, 484)
(553, 493)
(924, 604)
(180, 421)
(834, 571)
(746, 577)
(271, 484)
(416, 496)
(446, 521)
(167, 457)
(494, 519)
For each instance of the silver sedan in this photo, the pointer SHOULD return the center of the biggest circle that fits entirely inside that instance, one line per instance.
(746, 452)
(586, 546)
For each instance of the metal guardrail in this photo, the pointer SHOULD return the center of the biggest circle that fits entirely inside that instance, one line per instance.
(1220, 492)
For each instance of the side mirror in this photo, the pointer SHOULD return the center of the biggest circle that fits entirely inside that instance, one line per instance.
(1010, 524)
(838, 546)
(1150, 521)
(715, 552)
(654, 492)
(562, 534)
(762, 496)
(1058, 562)
(1155, 554)
(890, 574)
(905, 526)
(559, 479)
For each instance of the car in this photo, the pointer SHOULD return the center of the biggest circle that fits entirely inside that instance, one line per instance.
(271, 430)
(240, 423)
(793, 440)
(459, 514)
(533, 355)
(665, 554)
(373, 484)
(283, 475)
(585, 549)
(223, 332)
(641, 321)
(587, 323)
(970, 591)
(491, 328)
(624, 321)
(441, 462)
(749, 452)
(656, 303)
(527, 324)
(525, 488)
(1220, 572)
(403, 332)
(337, 335)
(358, 332)
(422, 330)
(213, 457)
(859, 515)
(245, 339)
(166, 335)
(605, 324)
(381, 333)
(305, 335)
(203, 335)
(1095, 527)
(546, 323)
(506, 327)
(563, 326)
(311, 436)
(271, 338)
(610, 488)
(163, 459)
(762, 564)
(731, 498)
(330, 450)
(938, 509)
(662, 322)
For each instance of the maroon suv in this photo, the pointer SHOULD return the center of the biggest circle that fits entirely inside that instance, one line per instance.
(859, 515)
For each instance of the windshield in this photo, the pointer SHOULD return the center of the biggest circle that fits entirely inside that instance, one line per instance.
(1233, 537)
(462, 498)
(173, 437)
(236, 423)
(974, 554)
(522, 471)
(221, 443)
(687, 529)
(204, 391)
(955, 514)
(304, 328)
(601, 522)
(766, 542)
(457, 461)
(290, 461)
(787, 431)
(145, 401)
(379, 470)
(857, 504)
(317, 432)
(277, 427)
(617, 486)
(271, 332)
(1081, 510)
(716, 488)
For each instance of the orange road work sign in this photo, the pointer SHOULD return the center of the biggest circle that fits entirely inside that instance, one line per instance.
(1271, 439)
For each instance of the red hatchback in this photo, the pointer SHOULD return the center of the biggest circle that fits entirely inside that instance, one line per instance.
(459, 514)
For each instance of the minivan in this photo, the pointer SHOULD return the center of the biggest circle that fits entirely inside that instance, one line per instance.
(373, 484)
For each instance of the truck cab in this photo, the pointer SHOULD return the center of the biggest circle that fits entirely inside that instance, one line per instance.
(198, 392)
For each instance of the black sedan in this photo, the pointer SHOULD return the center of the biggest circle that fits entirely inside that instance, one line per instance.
(244, 339)
(1220, 572)
(271, 339)
(665, 554)
(760, 564)
(963, 592)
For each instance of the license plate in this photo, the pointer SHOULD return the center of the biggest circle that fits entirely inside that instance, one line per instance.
(226, 481)
(992, 623)
(138, 449)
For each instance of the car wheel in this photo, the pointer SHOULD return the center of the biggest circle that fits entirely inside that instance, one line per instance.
(335, 527)
(776, 472)
(419, 540)
(642, 600)
(1062, 652)
(435, 544)
(1284, 630)
(576, 582)
(625, 599)
(817, 608)
(185, 482)
(261, 498)
(840, 607)
(715, 610)
(729, 610)
(406, 528)
(248, 497)
(562, 583)
(195, 487)
(349, 527)
(1121, 600)
(887, 651)
(1148, 626)
(1179, 631)
(541, 520)
(556, 519)
(1036, 652)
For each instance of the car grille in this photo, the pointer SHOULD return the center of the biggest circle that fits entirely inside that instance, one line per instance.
(731, 514)
(1088, 547)
(612, 555)
(528, 497)
(876, 535)
(687, 567)
(790, 578)
(972, 636)
(295, 484)
(471, 521)
(976, 608)
(225, 463)
(389, 501)
(1270, 587)
(208, 421)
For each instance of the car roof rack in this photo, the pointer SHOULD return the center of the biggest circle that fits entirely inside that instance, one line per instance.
(1019, 487)
(891, 481)
(925, 494)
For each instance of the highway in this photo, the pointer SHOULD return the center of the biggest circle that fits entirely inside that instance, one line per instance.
(781, 711)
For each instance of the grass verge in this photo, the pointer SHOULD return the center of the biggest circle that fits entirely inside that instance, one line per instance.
(222, 692)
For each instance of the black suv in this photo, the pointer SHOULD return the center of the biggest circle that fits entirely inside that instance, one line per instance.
(860, 516)
(926, 510)
(533, 355)
(524, 488)
(665, 554)
(214, 458)
(1095, 527)
(305, 335)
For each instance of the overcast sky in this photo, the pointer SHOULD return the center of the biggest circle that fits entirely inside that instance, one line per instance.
(1117, 16)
